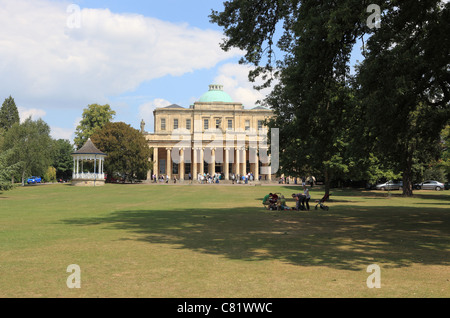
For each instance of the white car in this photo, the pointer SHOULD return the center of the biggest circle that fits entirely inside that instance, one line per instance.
(430, 185)
(390, 185)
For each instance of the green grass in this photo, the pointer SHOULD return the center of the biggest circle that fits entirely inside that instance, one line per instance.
(218, 241)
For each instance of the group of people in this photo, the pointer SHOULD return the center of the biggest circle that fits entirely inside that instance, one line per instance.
(305, 180)
(273, 201)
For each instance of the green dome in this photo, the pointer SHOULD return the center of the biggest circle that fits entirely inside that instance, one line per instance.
(215, 94)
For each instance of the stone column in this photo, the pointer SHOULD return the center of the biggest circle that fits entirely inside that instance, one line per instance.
(181, 165)
(212, 164)
(169, 163)
(256, 170)
(226, 163)
(155, 163)
(202, 160)
(194, 164)
(244, 161)
(237, 161)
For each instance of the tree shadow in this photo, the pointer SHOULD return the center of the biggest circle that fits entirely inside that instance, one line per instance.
(346, 237)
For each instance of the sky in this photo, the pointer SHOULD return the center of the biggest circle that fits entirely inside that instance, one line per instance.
(57, 57)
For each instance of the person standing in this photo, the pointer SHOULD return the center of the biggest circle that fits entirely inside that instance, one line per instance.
(307, 197)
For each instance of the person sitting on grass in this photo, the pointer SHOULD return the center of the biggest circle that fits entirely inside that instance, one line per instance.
(282, 204)
(266, 200)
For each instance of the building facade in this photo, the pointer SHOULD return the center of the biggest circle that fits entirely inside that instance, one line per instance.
(215, 135)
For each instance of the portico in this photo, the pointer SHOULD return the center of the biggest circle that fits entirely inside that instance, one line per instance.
(214, 135)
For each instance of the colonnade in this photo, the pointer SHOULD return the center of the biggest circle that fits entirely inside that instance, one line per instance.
(229, 160)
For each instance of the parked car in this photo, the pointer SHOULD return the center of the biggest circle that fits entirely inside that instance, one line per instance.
(34, 180)
(390, 185)
(430, 185)
(447, 186)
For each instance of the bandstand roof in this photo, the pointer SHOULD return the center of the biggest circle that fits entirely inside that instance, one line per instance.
(89, 149)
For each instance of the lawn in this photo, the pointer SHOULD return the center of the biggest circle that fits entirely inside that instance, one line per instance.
(218, 241)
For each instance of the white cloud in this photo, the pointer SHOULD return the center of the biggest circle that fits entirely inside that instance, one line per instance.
(34, 113)
(61, 133)
(108, 55)
(234, 78)
(146, 112)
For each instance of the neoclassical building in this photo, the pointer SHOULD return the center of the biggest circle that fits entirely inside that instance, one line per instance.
(214, 135)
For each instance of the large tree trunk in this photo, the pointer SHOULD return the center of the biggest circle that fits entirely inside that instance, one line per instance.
(407, 179)
(327, 182)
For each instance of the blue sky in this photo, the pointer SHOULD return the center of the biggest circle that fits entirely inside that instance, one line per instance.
(133, 55)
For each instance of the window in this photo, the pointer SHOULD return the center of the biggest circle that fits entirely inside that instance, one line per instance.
(188, 124)
(175, 124)
(260, 124)
(247, 125)
(163, 124)
(205, 124)
(218, 123)
(230, 125)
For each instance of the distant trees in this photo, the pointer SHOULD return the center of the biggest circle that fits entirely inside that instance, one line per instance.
(30, 147)
(9, 115)
(62, 160)
(94, 117)
(7, 169)
(127, 151)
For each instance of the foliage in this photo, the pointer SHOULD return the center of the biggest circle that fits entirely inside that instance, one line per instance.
(391, 113)
(6, 170)
(30, 143)
(9, 115)
(444, 162)
(404, 84)
(312, 101)
(94, 117)
(50, 174)
(127, 151)
(62, 159)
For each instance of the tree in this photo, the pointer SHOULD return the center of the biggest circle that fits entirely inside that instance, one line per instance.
(50, 174)
(30, 143)
(444, 162)
(94, 117)
(9, 115)
(6, 170)
(404, 83)
(313, 102)
(127, 151)
(62, 160)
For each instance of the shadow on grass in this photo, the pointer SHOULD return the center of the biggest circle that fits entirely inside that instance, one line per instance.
(346, 237)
